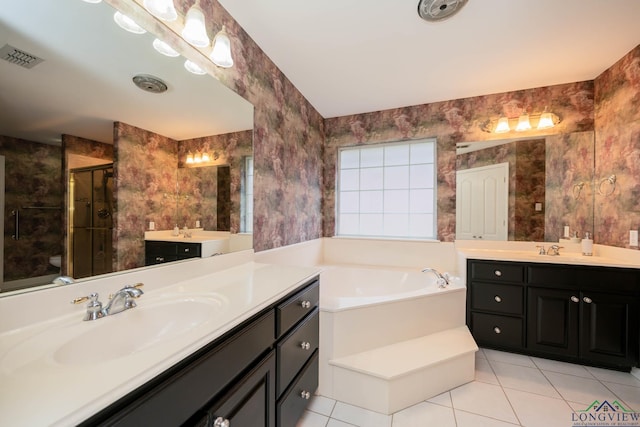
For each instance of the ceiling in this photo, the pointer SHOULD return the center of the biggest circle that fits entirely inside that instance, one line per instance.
(349, 57)
(84, 83)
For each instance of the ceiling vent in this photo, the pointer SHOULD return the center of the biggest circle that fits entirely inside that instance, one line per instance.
(439, 10)
(150, 83)
(19, 57)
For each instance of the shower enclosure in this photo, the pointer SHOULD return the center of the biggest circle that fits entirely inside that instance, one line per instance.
(91, 221)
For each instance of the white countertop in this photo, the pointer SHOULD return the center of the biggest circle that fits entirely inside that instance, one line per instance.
(38, 390)
(198, 235)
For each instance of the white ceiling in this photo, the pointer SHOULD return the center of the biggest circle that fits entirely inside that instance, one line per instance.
(349, 57)
(84, 83)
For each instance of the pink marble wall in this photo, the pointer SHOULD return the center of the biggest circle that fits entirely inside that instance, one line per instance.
(32, 178)
(451, 122)
(617, 116)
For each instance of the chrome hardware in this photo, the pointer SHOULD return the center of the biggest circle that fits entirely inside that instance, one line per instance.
(498, 273)
(541, 250)
(305, 304)
(160, 259)
(587, 300)
(186, 249)
(94, 307)
(497, 330)
(305, 345)
(442, 279)
(305, 395)
(221, 422)
(63, 280)
(497, 298)
(123, 299)
(575, 298)
(554, 250)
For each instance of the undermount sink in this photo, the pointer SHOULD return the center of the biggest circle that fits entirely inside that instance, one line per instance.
(80, 342)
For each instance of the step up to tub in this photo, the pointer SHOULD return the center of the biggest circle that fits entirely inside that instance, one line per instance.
(390, 378)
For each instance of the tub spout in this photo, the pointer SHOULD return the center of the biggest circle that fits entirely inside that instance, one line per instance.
(443, 279)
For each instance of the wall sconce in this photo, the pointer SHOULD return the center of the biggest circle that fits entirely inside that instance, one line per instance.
(525, 122)
(195, 31)
(163, 9)
(198, 158)
(221, 53)
(127, 23)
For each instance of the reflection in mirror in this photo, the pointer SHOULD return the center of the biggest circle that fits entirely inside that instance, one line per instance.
(77, 110)
(527, 189)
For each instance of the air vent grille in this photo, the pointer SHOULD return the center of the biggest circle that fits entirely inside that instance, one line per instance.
(19, 57)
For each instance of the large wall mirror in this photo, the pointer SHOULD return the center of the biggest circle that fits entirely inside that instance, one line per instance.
(526, 189)
(81, 142)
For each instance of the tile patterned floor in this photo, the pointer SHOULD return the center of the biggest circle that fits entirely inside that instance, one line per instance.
(509, 389)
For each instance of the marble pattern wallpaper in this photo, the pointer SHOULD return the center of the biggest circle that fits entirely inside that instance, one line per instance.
(451, 122)
(32, 178)
(617, 116)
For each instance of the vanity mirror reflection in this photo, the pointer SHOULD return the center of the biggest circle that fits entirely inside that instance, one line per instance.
(79, 109)
(525, 189)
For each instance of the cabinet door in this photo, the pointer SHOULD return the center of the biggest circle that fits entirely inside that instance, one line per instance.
(251, 402)
(609, 328)
(552, 321)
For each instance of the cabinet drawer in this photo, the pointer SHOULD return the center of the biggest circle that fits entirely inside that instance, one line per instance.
(295, 308)
(496, 297)
(189, 250)
(293, 404)
(294, 350)
(152, 259)
(161, 248)
(497, 272)
(500, 331)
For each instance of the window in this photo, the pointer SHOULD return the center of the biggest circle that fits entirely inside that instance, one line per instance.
(387, 190)
(246, 196)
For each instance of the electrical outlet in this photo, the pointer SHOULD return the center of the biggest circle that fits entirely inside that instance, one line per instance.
(152, 225)
(633, 238)
(566, 231)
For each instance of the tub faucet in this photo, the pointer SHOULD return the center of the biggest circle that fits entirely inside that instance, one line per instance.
(443, 279)
(123, 299)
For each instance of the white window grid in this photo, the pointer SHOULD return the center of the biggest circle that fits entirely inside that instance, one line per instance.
(391, 196)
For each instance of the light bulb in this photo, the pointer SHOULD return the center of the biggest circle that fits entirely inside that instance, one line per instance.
(197, 158)
(189, 158)
(163, 9)
(221, 53)
(164, 48)
(194, 68)
(546, 121)
(127, 23)
(503, 125)
(205, 157)
(523, 123)
(195, 31)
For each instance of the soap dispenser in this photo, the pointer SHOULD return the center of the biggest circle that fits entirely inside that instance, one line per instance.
(587, 245)
(176, 231)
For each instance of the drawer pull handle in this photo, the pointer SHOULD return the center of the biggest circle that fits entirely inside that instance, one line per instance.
(159, 259)
(498, 273)
(305, 304)
(186, 249)
(497, 330)
(305, 345)
(305, 395)
(587, 300)
(575, 298)
(497, 298)
(221, 422)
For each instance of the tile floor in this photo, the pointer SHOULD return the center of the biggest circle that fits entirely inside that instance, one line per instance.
(509, 389)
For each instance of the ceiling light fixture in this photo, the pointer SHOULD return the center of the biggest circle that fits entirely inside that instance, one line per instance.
(195, 31)
(221, 53)
(127, 23)
(163, 9)
(164, 48)
(194, 68)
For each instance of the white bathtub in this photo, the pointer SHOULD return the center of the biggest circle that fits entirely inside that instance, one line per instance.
(362, 308)
(346, 288)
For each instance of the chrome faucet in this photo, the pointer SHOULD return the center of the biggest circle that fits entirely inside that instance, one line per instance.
(63, 280)
(123, 299)
(443, 279)
(554, 250)
(118, 302)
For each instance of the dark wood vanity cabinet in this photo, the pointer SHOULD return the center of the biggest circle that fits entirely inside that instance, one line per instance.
(261, 373)
(575, 313)
(156, 252)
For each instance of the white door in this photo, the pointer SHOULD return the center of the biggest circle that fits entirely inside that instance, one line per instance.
(482, 207)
